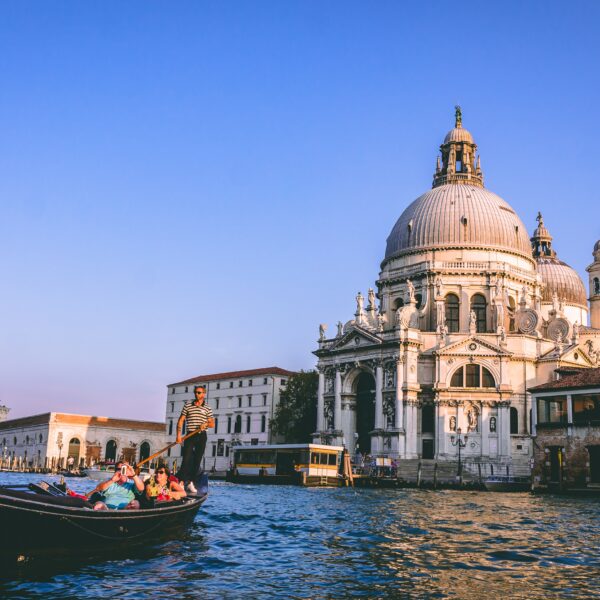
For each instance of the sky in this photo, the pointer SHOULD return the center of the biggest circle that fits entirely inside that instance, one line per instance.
(192, 187)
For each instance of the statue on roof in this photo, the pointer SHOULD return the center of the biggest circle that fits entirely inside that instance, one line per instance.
(457, 116)
(539, 218)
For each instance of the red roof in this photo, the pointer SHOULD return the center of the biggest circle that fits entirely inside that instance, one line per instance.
(585, 378)
(236, 375)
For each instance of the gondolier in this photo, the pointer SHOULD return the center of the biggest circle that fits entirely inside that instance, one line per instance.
(196, 415)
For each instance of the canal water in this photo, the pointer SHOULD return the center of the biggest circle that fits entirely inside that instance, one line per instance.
(290, 542)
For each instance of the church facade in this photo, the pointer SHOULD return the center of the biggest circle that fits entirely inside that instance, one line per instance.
(467, 313)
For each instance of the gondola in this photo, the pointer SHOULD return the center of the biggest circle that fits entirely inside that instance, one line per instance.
(33, 523)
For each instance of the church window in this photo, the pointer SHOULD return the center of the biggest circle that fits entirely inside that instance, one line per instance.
(478, 306)
(472, 376)
(398, 303)
(419, 299)
(514, 420)
(452, 313)
(596, 286)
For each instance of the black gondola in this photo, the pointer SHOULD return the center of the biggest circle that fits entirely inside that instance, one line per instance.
(36, 524)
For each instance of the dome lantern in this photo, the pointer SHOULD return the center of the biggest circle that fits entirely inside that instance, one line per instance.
(459, 164)
(541, 241)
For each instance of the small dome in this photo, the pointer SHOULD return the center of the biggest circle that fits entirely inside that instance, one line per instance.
(597, 246)
(458, 134)
(458, 216)
(559, 277)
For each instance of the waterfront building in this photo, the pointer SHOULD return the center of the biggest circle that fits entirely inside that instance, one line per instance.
(49, 439)
(467, 313)
(566, 430)
(243, 404)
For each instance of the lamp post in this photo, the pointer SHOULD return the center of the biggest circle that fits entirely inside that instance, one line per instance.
(59, 443)
(460, 442)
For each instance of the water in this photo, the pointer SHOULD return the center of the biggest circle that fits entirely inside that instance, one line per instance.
(289, 542)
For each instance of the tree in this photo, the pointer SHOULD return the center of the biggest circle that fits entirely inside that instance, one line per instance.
(295, 417)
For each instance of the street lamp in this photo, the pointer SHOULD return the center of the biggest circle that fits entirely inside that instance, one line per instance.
(460, 442)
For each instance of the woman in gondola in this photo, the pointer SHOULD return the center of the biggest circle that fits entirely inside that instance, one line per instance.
(162, 487)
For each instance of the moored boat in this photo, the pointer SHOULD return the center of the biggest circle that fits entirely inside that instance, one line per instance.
(36, 524)
(507, 483)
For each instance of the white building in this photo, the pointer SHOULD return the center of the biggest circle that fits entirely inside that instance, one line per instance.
(47, 440)
(243, 403)
(468, 313)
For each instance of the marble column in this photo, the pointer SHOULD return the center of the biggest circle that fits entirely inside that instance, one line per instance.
(534, 416)
(399, 399)
(321, 402)
(337, 423)
(504, 429)
(378, 397)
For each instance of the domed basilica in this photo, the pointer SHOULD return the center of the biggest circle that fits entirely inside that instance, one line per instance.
(468, 313)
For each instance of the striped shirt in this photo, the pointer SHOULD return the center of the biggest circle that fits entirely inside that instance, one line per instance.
(196, 416)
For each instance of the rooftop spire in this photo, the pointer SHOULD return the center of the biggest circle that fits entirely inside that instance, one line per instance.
(459, 163)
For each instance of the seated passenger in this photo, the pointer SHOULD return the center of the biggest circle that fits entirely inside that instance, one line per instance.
(163, 487)
(119, 491)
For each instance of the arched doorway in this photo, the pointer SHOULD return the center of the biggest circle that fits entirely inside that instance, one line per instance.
(144, 451)
(110, 452)
(73, 453)
(365, 411)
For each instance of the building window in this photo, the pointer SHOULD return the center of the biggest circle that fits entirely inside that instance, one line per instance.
(248, 423)
(184, 428)
(227, 450)
(172, 390)
(216, 404)
(284, 382)
(472, 376)
(216, 425)
(264, 381)
(41, 438)
(218, 385)
(478, 306)
(214, 449)
(240, 383)
(596, 286)
(552, 410)
(171, 427)
(586, 408)
(452, 313)
(264, 399)
(231, 384)
(239, 402)
(238, 424)
(254, 442)
(14, 441)
(263, 423)
(249, 399)
(220, 447)
(186, 389)
(172, 406)
(514, 421)
(249, 382)
(228, 424)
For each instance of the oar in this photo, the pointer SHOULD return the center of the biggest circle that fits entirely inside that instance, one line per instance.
(189, 435)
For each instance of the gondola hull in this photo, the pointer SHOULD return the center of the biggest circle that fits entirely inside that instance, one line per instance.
(33, 526)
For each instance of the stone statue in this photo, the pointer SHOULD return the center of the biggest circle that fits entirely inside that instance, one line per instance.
(457, 116)
(360, 302)
(555, 302)
(411, 291)
(438, 286)
(576, 332)
(498, 288)
(340, 329)
(524, 294)
(453, 423)
(472, 419)
(440, 315)
(502, 334)
(380, 322)
(371, 299)
(322, 329)
(472, 322)
(492, 424)
(499, 315)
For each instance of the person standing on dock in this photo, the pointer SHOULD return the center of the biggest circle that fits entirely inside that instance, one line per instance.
(197, 415)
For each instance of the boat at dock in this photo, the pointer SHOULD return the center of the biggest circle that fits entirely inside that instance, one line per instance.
(34, 523)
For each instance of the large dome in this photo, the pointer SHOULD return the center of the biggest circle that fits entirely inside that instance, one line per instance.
(458, 216)
(559, 277)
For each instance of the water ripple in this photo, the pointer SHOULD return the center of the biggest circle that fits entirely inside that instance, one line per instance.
(286, 542)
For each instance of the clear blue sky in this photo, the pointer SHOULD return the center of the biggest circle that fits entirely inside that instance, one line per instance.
(187, 188)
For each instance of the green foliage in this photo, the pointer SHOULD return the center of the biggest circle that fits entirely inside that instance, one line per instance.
(296, 414)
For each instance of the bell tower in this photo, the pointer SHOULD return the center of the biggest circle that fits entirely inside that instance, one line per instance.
(594, 271)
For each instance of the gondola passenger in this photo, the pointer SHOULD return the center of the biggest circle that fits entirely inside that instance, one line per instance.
(120, 490)
(164, 488)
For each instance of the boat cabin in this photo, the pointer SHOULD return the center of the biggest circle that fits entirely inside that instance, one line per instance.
(316, 460)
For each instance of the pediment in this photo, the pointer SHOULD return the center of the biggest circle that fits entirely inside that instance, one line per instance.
(572, 356)
(473, 346)
(355, 337)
